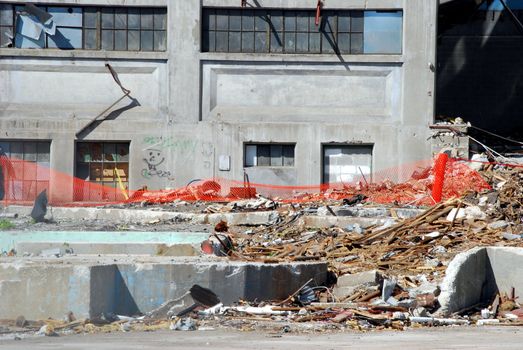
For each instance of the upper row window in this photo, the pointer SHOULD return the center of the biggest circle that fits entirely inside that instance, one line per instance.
(290, 31)
(90, 28)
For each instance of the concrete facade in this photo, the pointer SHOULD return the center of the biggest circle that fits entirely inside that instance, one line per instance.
(195, 107)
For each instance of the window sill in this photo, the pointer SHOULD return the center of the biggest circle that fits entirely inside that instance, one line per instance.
(56, 53)
(229, 56)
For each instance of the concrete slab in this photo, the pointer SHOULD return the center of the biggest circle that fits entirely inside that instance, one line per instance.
(145, 215)
(88, 286)
(475, 276)
(36, 248)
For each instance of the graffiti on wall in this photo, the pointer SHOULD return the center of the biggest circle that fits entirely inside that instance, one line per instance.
(156, 147)
(183, 147)
(153, 159)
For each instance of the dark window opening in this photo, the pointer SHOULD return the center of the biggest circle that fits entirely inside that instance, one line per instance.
(269, 154)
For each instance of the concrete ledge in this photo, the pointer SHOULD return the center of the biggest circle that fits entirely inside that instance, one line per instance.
(39, 288)
(144, 216)
(83, 248)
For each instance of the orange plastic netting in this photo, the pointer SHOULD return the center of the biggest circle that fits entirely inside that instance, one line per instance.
(409, 184)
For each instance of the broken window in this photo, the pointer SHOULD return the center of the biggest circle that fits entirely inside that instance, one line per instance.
(30, 161)
(100, 163)
(291, 31)
(86, 27)
(269, 154)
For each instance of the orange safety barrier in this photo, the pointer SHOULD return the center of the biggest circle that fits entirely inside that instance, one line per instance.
(409, 184)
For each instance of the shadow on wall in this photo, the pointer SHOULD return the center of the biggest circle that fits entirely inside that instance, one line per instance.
(480, 75)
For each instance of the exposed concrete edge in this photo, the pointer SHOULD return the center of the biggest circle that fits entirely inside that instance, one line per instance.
(453, 296)
(94, 248)
(144, 216)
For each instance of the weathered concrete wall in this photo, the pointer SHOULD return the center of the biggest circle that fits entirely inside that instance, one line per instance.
(194, 107)
(89, 286)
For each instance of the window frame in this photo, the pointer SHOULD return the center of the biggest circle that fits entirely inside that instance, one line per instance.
(317, 36)
(158, 30)
(91, 181)
(270, 145)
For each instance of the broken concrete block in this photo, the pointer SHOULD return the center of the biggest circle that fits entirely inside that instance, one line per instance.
(347, 284)
(388, 288)
(496, 225)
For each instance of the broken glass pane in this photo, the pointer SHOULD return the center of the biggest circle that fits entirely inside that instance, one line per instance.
(120, 40)
(107, 40)
(133, 40)
(160, 18)
(133, 18)
(160, 40)
(147, 19)
(120, 18)
(107, 18)
(146, 40)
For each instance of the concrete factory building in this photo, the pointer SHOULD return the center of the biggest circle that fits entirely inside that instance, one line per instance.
(169, 91)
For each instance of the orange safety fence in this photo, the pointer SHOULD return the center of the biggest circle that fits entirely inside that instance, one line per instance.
(408, 184)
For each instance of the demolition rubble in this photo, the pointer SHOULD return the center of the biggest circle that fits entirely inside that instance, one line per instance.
(388, 266)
